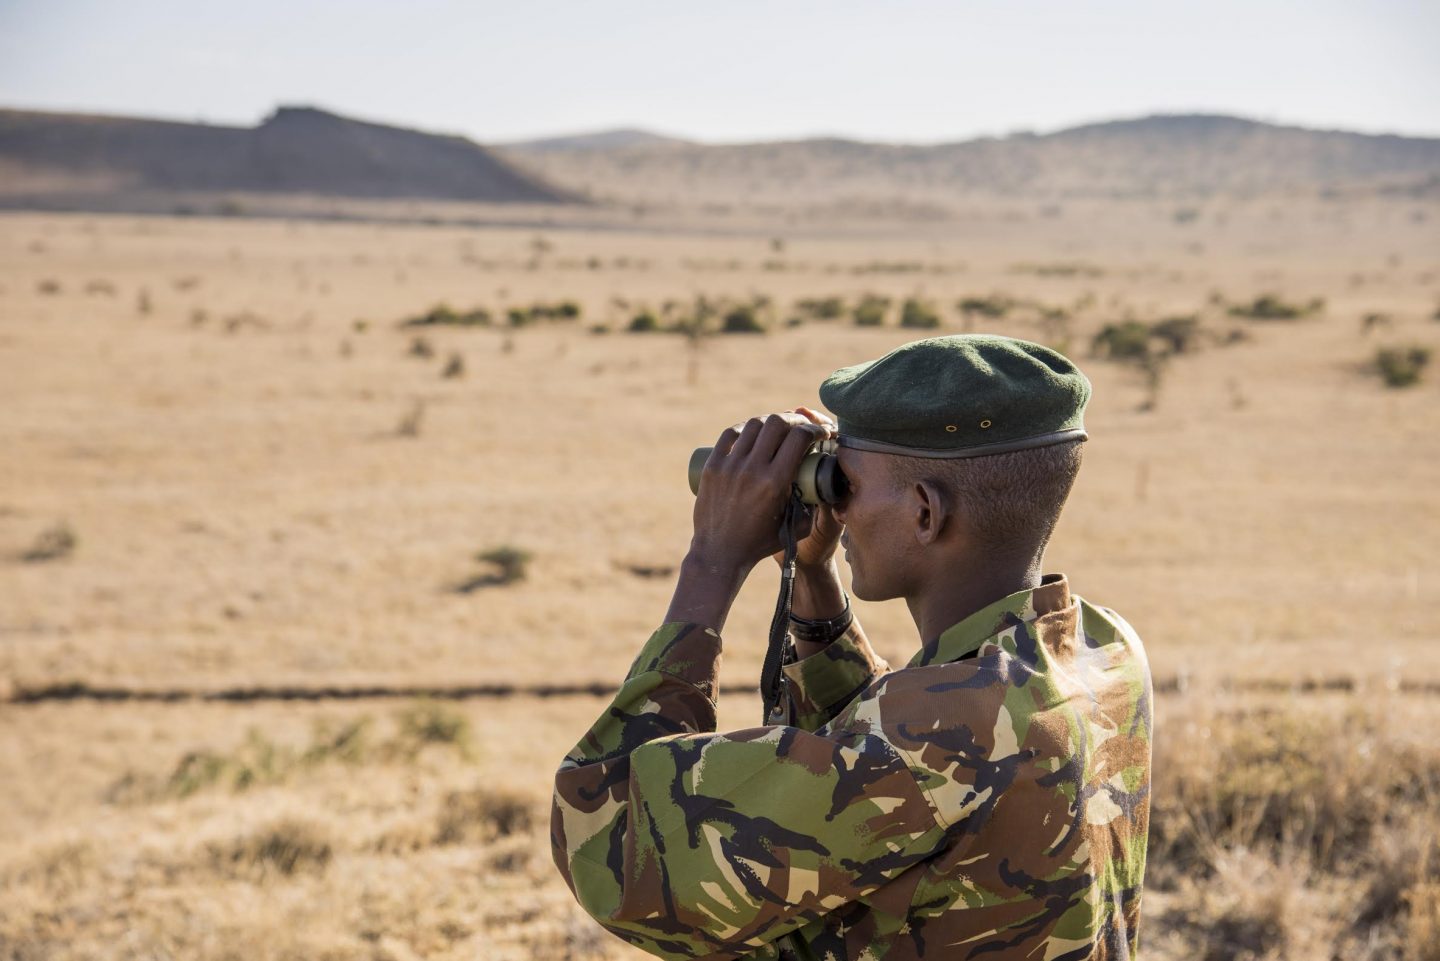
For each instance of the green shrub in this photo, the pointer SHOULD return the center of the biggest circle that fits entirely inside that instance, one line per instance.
(744, 319)
(511, 562)
(644, 323)
(51, 544)
(1180, 334)
(1061, 269)
(443, 315)
(1271, 307)
(994, 306)
(1401, 366)
(822, 308)
(1128, 340)
(871, 311)
(918, 315)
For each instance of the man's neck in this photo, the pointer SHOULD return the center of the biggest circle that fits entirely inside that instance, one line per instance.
(966, 588)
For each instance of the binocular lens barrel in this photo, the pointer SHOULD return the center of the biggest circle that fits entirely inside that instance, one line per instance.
(819, 478)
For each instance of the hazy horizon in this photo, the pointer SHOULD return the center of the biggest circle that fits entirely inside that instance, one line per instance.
(682, 136)
(914, 71)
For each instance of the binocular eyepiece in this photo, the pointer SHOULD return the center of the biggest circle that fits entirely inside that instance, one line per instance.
(819, 478)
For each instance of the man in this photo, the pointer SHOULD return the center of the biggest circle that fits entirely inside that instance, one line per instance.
(989, 800)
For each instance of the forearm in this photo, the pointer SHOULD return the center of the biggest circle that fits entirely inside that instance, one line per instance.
(706, 589)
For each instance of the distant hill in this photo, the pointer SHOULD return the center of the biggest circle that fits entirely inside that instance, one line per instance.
(296, 150)
(303, 161)
(1164, 157)
(620, 139)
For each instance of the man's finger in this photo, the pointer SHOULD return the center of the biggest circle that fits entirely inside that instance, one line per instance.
(815, 417)
(723, 445)
(801, 438)
(777, 429)
(748, 434)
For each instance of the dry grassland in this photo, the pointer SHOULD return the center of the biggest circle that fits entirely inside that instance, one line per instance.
(226, 467)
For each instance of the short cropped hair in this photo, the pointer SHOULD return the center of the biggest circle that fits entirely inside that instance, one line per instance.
(1011, 501)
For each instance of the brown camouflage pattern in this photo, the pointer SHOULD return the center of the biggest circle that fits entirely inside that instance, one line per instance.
(989, 801)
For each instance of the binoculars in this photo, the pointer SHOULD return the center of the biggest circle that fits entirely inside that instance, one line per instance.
(819, 479)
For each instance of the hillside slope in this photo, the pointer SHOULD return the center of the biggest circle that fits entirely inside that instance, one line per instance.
(1193, 156)
(296, 150)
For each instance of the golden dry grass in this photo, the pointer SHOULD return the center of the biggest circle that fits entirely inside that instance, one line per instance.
(205, 426)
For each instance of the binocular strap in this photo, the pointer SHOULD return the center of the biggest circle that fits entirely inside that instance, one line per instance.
(780, 652)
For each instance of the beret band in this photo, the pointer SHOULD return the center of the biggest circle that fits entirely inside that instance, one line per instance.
(982, 450)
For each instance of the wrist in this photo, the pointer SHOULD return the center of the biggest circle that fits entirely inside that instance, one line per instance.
(705, 589)
(818, 592)
(707, 560)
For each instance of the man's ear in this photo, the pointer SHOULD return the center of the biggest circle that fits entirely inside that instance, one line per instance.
(931, 512)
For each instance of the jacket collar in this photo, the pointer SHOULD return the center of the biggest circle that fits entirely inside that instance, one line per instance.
(965, 638)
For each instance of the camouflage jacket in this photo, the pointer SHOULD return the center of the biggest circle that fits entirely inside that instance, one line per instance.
(990, 800)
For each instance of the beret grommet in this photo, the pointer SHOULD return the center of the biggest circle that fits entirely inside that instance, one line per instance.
(951, 428)
(984, 424)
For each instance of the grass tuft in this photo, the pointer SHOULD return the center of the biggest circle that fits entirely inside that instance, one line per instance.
(287, 847)
(483, 815)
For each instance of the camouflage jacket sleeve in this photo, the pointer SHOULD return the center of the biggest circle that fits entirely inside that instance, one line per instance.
(693, 844)
(822, 684)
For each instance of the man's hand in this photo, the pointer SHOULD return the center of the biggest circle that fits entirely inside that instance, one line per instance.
(746, 483)
(738, 511)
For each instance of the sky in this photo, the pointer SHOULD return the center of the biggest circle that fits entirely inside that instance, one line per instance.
(920, 71)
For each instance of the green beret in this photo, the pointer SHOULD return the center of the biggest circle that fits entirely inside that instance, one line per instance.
(966, 395)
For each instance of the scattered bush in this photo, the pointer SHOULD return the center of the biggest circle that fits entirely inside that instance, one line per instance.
(1401, 366)
(1138, 342)
(993, 307)
(918, 315)
(1374, 321)
(51, 544)
(410, 423)
(822, 308)
(744, 319)
(1179, 334)
(1271, 307)
(871, 311)
(644, 323)
(48, 287)
(1062, 269)
(509, 565)
(443, 315)
(421, 347)
(512, 561)
(1128, 340)
(454, 367)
